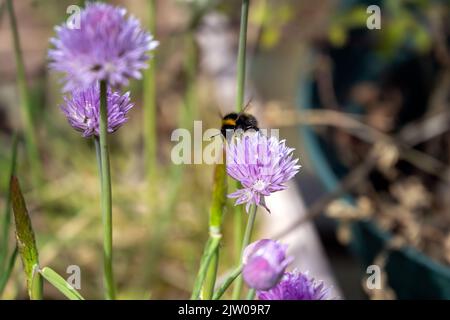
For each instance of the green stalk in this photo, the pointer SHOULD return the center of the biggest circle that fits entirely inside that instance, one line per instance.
(7, 272)
(218, 199)
(209, 265)
(176, 171)
(226, 284)
(251, 294)
(98, 156)
(249, 228)
(240, 93)
(207, 280)
(242, 56)
(210, 249)
(211, 275)
(106, 197)
(160, 230)
(245, 242)
(238, 225)
(7, 214)
(150, 129)
(190, 67)
(216, 211)
(26, 111)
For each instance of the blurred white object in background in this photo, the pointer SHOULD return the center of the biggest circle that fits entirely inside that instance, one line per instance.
(304, 243)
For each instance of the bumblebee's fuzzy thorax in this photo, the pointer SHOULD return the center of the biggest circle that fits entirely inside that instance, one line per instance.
(238, 121)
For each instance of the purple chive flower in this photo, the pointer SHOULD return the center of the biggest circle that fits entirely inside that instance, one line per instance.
(264, 262)
(261, 164)
(296, 286)
(107, 46)
(82, 110)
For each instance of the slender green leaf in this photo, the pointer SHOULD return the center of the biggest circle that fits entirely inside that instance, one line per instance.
(6, 221)
(59, 283)
(25, 101)
(228, 281)
(159, 235)
(150, 106)
(9, 268)
(24, 233)
(210, 249)
(211, 275)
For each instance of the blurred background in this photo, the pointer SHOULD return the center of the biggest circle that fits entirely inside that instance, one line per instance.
(366, 109)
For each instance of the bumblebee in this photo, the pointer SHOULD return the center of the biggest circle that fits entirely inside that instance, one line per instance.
(238, 121)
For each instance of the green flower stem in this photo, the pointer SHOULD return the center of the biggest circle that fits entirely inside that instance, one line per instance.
(210, 249)
(219, 198)
(242, 56)
(251, 294)
(247, 236)
(176, 171)
(226, 284)
(164, 219)
(240, 92)
(190, 69)
(150, 128)
(99, 157)
(216, 211)
(106, 198)
(26, 109)
(211, 275)
(238, 225)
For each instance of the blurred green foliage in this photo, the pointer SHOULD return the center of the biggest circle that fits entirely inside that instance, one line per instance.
(404, 23)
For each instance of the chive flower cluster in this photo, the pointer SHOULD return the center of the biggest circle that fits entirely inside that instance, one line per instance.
(296, 286)
(82, 110)
(261, 164)
(264, 262)
(264, 265)
(108, 47)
